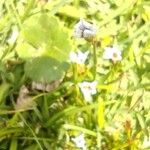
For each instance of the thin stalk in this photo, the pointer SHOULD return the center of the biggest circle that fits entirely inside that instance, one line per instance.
(34, 135)
(84, 130)
(77, 3)
(15, 13)
(46, 108)
(74, 66)
(26, 123)
(94, 60)
(75, 79)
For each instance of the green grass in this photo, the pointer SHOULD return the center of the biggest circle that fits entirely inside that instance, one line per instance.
(41, 103)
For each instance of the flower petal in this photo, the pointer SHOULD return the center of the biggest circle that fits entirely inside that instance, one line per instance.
(112, 53)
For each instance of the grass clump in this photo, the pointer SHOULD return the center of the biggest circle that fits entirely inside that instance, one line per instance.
(74, 75)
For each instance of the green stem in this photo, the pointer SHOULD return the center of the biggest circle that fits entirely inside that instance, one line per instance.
(74, 66)
(75, 79)
(94, 60)
(46, 108)
(15, 13)
(77, 128)
(76, 3)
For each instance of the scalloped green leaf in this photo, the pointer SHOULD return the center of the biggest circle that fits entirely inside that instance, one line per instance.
(43, 35)
(45, 69)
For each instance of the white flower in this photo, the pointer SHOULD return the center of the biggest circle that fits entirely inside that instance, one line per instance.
(84, 29)
(110, 130)
(146, 143)
(78, 57)
(14, 35)
(88, 89)
(112, 53)
(80, 141)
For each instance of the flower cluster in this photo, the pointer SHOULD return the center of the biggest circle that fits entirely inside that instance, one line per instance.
(84, 29)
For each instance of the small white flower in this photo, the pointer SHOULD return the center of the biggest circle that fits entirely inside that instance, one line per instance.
(146, 143)
(112, 53)
(84, 29)
(78, 57)
(13, 36)
(110, 130)
(80, 141)
(88, 89)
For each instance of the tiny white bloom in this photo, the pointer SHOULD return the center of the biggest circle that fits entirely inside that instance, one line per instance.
(146, 143)
(110, 130)
(88, 89)
(112, 53)
(14, 35)
(84, 29)
(78, 57)
(80, 141)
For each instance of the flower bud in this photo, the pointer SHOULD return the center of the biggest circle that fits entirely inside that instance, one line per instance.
(84, 30)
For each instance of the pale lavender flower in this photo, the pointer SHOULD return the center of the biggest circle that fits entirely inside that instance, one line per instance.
(84, 29)
(112, 53)
(80, 141)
